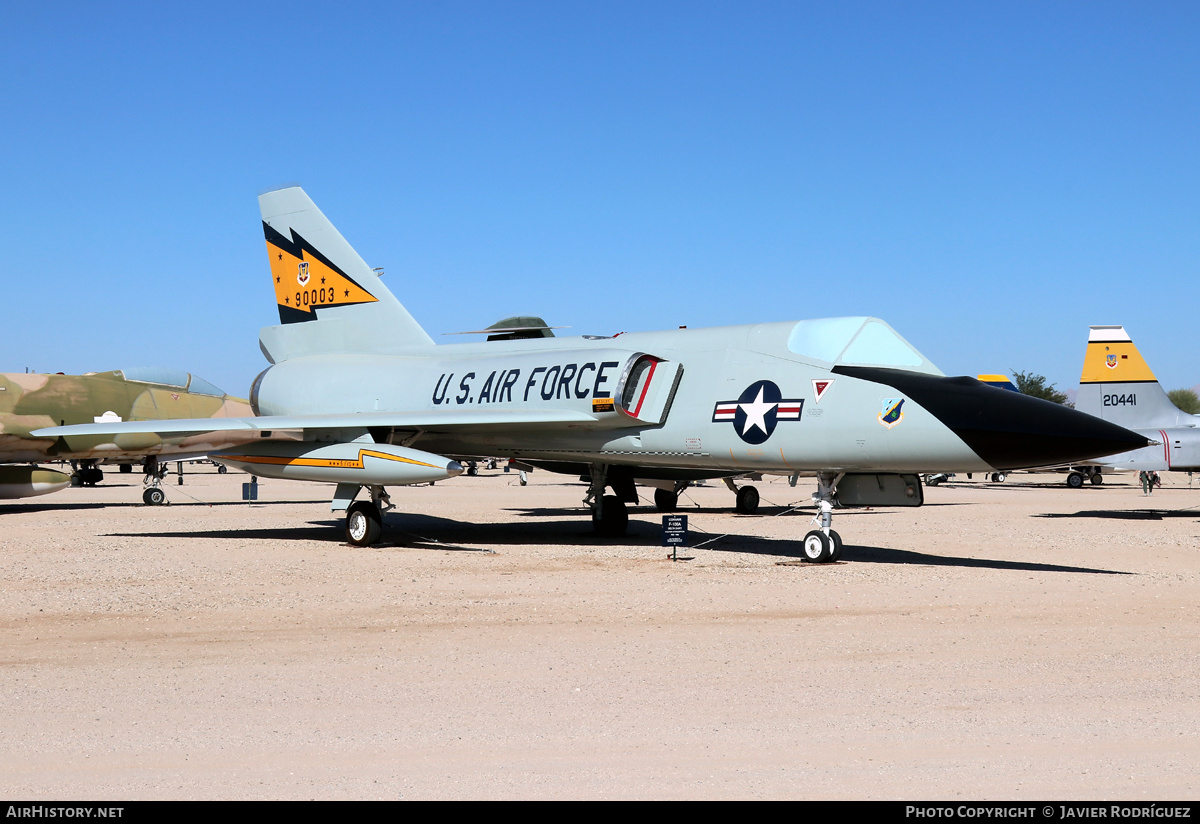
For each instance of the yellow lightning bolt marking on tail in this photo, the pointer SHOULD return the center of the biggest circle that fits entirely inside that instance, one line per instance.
(322, 286)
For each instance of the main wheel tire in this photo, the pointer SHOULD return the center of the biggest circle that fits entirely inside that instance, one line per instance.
(154, 496)
(363, 523)
(817, 547)
(126, 468)
(747, 500)
(613, 519)
(1097, 479)
(836, 552)
(932, 480)
(1075, 480)
(222, 469)
(666, 500)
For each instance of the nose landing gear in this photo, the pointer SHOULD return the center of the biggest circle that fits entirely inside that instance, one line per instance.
(822, 545)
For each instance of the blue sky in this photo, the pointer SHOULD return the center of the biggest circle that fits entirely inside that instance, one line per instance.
(990, 178)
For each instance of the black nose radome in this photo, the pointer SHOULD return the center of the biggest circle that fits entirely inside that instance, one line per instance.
(1007, 430)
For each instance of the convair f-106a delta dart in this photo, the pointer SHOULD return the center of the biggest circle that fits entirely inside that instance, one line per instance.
(358, 395)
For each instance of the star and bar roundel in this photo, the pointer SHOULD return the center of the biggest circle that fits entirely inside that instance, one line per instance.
(757, 411)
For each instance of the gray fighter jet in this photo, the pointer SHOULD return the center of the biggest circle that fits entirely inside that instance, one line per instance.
(1117, 385)
(369, 401)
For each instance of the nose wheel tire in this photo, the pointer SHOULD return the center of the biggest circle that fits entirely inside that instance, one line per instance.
(819, 547)
(154, 496)
(363, 523)
(836, 552)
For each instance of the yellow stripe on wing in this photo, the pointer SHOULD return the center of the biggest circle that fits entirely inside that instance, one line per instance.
(340, 463)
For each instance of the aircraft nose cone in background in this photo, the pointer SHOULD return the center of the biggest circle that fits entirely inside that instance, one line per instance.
(1008, 430)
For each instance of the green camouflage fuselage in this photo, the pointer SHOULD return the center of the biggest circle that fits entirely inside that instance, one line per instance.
(30, 401)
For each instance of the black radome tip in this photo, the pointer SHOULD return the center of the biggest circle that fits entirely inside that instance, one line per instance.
(1007, 430)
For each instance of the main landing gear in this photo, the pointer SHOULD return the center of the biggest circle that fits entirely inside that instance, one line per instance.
(666, 500)
(610, 516)
(364, 523)
(364, 519)
(153, 473)
(747, 497)
(1078, 476)
(822, 545)
(746, 500)
(86, 473)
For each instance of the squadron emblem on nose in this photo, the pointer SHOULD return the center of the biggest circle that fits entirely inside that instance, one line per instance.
(892, 412)
(757, 411)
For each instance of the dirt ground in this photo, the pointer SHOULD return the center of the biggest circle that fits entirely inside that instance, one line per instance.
(1005, 641)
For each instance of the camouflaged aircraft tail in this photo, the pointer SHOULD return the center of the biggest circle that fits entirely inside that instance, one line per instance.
(330, 301)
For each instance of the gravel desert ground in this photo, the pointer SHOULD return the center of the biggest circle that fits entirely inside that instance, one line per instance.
(1005, 641)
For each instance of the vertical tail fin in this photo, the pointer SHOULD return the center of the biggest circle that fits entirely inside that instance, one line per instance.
(330, 301)
(998, 381)
(1118, 386)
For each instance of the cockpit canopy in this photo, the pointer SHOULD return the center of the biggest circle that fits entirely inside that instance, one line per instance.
(856, 342)
(170, 377)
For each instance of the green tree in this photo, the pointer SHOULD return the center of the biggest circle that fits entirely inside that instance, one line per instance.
(1186, 400)
(1036, 385)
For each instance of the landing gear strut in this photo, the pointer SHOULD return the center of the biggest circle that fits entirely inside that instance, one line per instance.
(153, 473)
(86, 473)
(747, 497)
(667, 500)
(822, 545)
(610, 517)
